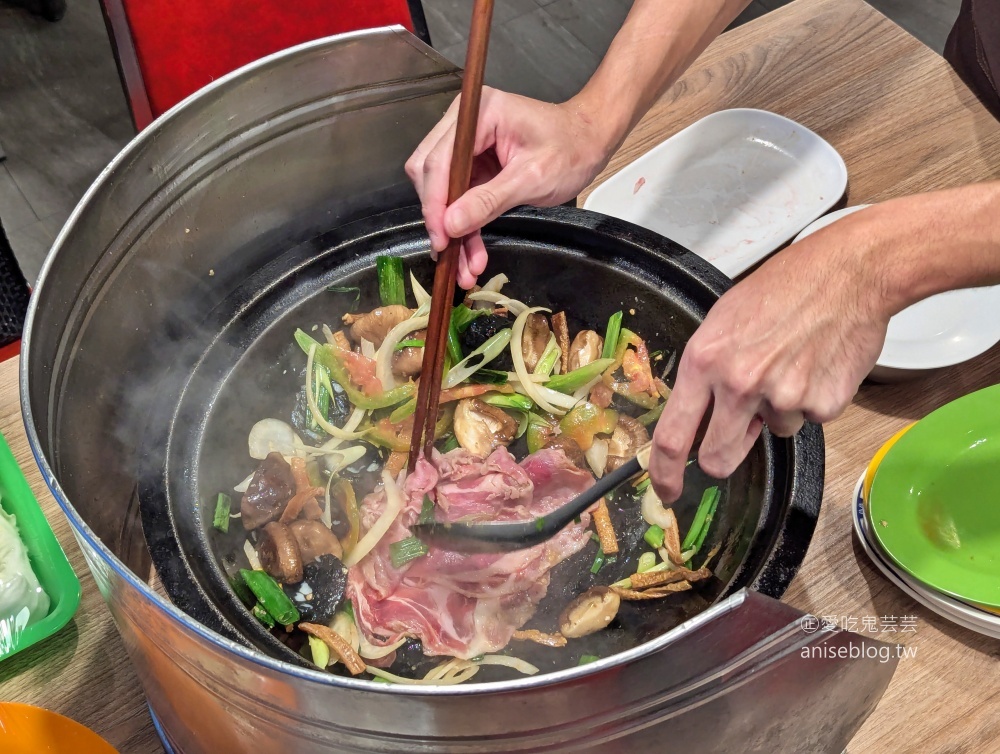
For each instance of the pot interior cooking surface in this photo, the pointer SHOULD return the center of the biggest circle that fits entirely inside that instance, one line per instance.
(250, 368)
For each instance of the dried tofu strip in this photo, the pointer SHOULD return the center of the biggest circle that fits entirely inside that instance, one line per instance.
(561, 329)
(672, 540)
(337, 644)
(631, 595)
(396, 462)
(605, 529)
(661, 578)
(548, 640)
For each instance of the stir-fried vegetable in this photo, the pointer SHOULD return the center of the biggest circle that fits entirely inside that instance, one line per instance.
(549, 359)
(262, 615)
(611, 335)
(405, 550)
(646, 561)
(601, 560)
(562, 393)
(513, 402)
(654, 536)
(411, 343)
(702, 522)
(333, 359)
(567, 383)
(320, 652)
(390, 281)
(652, 416)
(479, 358)
(540, 430)
(223, 504)
(489, 377)
(586, 421)
(271, 597)
(393, 505)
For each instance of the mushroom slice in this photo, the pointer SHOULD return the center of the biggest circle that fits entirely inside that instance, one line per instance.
(591, 611)
(571, 448)
(481, 428)
(628, 437)
(407, 362)
(271, 487)
(314, 540)
(376, 324)
(535, 339)
(586, 347)
(279, 553)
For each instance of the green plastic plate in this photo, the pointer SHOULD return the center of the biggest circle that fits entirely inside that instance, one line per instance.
(46, 556)
(935, 501)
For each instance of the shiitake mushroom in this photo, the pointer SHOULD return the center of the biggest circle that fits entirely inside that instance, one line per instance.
(481, 428)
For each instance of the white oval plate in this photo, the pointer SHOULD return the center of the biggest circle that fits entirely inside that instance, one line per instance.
(732, 187)
(938, 332)
(953, 610)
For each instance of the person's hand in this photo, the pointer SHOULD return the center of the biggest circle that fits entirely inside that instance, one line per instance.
(527, 152)
(790, 343)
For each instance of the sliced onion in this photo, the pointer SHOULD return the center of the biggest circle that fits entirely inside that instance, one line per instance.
(347, 431)
(367, 349)
(597, 457)
(383, 359)
(654, 513)
(455, 675)
(343, 457)
(393, 506)
(419, 293)
(345, 628)
(537, 393)
(538, 378)
(494, 285)
(584, 390)
(245, 484)
(552, 345)
(508, 662)
(326, 515)
(251, 554)
(371, 652)
(514, 306)
(550, 396)
(271, 435)
(321, 420)
(482, 355)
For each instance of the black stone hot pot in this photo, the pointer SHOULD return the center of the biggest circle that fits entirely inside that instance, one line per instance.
(160, 331)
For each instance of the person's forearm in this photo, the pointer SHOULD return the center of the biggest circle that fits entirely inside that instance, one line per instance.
(920, 245)
(656, 44)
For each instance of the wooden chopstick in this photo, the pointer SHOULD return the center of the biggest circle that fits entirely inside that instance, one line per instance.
(446, 272)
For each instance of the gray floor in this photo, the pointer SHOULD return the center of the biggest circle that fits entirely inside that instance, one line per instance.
(63, 115)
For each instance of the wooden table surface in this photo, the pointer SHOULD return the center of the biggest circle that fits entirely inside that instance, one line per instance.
(903, 123)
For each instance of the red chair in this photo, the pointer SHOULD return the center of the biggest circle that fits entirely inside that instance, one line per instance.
(168, 49)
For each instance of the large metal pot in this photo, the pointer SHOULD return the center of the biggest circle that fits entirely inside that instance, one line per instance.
(236, 184)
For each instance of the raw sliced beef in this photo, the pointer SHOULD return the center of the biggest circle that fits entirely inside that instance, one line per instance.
(458, 604)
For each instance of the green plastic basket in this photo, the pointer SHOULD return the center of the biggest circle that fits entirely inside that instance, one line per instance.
(46, 556)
